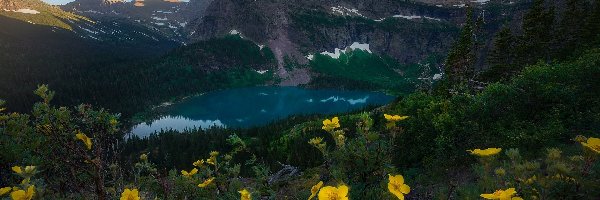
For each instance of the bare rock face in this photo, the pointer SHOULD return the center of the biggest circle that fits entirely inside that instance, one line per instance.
(286, 26)
(139, 3)
(13, 4)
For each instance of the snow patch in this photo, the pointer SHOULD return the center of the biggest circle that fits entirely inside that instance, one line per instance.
(411, 17)
(24, 10)
(341, 10)
(480, 1)
(93, 11)
(160, 19)
(234, 32)
(338, 52)
(262, 71)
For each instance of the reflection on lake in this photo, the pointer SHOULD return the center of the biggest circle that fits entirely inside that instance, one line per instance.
(255, 106)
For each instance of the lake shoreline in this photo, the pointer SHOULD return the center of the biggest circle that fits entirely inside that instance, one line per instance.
(252, 106)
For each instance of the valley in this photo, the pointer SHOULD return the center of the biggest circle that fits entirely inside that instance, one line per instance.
(299, 99)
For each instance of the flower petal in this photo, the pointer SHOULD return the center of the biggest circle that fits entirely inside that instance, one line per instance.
(405, 189)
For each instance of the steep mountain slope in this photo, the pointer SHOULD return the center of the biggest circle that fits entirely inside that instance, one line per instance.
(168, 18)
(41, 44)
(409, 32)
(37, 12)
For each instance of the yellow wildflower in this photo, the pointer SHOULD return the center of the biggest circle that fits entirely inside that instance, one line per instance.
(593, 144)
(334, 193)
(394, 118)
(485, 152)
(502, 195)
(315, 141)
(329, 125)
(4, 190)
(25, 181)
(27, 170)
(245, 194)
(397, 187)
(206, 182)
(211, 160)
(22, 194)
(198, 163)
(144, 157)
(17, 169)
(85, 139)
(190, 173)
(315, 189)
(130, 194)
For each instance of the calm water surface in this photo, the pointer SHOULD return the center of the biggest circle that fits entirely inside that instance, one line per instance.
(255, 106)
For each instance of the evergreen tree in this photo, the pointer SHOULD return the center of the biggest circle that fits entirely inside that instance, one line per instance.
(459, 66)
(571, 31)
(537, 34)
(593, 24)
(501, 58)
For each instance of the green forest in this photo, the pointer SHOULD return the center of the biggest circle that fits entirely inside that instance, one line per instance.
(518, 120)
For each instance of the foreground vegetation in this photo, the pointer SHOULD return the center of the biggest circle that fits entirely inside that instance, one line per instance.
(547, 107)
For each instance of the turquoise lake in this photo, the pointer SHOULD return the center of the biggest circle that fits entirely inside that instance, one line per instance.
(256, 106)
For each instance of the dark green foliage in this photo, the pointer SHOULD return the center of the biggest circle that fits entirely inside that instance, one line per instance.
(460, 64)
(538, 27)
(570, 28)
(130, 86)
(547, 34)
(47, 138)
(545, 106)
(501, 58)
(367, 70)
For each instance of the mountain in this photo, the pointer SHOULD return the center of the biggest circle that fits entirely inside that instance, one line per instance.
(40, 43)
(408, 32)
(168, 18)
(394, 46)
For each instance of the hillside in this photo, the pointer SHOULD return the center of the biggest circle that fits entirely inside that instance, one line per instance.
(477, 100)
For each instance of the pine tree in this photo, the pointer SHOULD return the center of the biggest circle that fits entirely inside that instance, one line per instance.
(501, 58)
(593, 25)
(459, 66)
(571, 29)
(537, 34)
